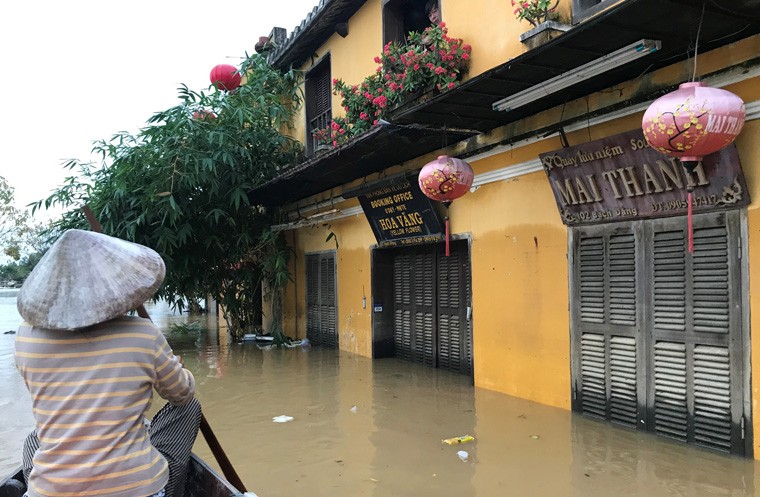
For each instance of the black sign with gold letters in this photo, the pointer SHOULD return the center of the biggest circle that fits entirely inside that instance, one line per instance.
(400, 214)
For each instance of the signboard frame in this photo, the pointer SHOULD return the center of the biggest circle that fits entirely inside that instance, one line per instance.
(621, 178)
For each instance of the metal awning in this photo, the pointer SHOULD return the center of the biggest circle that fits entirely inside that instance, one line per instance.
(674, 22)
(377, 149)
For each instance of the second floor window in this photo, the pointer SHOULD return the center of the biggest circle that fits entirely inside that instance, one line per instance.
(402, 16)
(318, 102)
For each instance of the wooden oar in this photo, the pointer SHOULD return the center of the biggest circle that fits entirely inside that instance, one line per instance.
(208, 433)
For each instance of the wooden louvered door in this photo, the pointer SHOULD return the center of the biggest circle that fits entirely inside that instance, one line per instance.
(606, 319)
(657, 339)
(454, 335)
(695, 392)
(321, 301)
(431, 294)
(414, 291)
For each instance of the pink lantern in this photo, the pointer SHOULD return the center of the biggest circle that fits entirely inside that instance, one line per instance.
(225, 77)
(691, 122)
(445, 180)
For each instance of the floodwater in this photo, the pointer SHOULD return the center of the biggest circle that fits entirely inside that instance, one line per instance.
(390, 444)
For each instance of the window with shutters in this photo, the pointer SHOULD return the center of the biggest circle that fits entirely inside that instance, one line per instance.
(657, 332)
(321, 302)
(318, 96)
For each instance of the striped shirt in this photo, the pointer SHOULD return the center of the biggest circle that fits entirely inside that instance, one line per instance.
(90, 391)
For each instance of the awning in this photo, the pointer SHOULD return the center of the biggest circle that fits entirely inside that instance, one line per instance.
(673, 22)
(379, 148)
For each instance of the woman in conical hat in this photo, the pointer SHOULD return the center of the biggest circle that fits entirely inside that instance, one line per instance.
(91, 371)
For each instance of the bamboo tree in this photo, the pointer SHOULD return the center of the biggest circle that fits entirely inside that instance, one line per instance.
(180, 186)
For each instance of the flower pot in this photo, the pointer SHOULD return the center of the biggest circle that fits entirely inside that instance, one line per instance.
(544, 32)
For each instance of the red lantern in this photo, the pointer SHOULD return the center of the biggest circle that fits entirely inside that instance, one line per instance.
(445, 180)
(691, 122)
(225, 77)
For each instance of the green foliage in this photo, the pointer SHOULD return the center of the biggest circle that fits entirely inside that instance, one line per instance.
(180, 186)
(534, 11)
(21, 240)
(430, 60)
(193, 327)
(14, 223)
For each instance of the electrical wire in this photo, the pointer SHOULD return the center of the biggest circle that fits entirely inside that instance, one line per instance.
(696, 43)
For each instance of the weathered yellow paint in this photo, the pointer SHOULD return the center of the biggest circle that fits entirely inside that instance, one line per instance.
(521, 337)
(750, 157)
(351, 58)
(354, 237)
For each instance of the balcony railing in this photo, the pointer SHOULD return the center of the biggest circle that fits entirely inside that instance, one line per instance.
(322, 121)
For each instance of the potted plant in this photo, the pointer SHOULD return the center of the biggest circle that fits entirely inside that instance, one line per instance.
(539, 14)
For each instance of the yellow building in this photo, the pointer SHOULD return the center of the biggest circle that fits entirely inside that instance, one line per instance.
(569, 282)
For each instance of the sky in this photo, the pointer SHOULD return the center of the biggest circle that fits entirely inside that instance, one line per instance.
(77, 71)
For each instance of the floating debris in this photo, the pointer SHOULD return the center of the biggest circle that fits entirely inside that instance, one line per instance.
(458, 440)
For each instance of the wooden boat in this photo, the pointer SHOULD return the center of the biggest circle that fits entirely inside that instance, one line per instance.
(202, 481)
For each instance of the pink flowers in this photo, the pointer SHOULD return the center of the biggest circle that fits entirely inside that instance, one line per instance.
(534, 11)
(404, 69)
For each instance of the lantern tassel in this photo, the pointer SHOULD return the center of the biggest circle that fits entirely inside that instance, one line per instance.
(690, 223)
(447, 236)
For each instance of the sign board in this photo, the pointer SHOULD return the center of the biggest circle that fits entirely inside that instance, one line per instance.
(620, 178)
(400, 214)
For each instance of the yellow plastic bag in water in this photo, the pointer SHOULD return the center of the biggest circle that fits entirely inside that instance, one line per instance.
(458, 440)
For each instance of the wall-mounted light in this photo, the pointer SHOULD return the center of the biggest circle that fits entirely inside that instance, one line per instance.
(598, 66)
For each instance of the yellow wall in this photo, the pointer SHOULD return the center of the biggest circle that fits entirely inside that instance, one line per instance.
(354, 236)
(750, 157)
(489, 26)
(352, 57)
(519, 245)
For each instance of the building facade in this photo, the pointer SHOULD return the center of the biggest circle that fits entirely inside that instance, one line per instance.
(568, 281)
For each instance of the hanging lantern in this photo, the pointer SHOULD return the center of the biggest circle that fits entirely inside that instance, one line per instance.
(445, 180)
(691, 122)
(225, 77)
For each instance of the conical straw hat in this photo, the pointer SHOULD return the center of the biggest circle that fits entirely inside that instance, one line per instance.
(87, 278)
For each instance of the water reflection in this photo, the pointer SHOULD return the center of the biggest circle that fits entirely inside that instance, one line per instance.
(390, 444)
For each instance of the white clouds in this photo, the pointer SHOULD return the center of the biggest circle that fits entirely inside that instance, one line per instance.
(79, 71)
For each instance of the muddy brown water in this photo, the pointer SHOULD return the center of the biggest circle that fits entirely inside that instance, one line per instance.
(390, 444)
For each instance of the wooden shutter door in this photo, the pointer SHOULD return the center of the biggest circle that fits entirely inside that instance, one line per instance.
(402, 296)
(328, 305)
(321, 302)
(454, 336)
(606, 319)
(312, 298)
(695, 392)
(423, 296)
